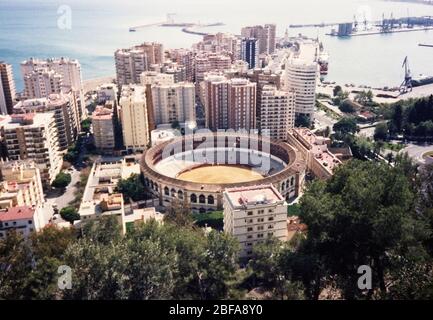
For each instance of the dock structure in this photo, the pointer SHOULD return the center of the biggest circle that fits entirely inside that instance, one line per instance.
(186, 26)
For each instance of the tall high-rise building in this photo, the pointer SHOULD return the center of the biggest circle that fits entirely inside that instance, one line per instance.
(185, 58)
(302, 72)
(254, 214)
(103, 129)
(170, 101)
(250, 52)
(7, 88)
(265, 35)
(40, 83)
(32, 136)
(69, 69)
(130, 63)
(66, 114)
(229, 103)
(276, 112)
(133, 115)
(71, 79)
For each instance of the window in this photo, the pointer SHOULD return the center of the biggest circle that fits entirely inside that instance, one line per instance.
(270, 226)
(261, 211)
(260, 220)
(271, 219)
(166, 191)
(193, 198)
(260, 235)
(260, 228)
(250, 213)
(271, 210)
(202, 199)
(270, 234)
(210, 200)
(249, 229)
(30, 221)
(249, 236)
(248, 244)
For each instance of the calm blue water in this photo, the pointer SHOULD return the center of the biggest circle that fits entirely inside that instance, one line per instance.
(29, 28)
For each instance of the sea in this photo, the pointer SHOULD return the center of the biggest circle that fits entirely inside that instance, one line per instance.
(91, 31)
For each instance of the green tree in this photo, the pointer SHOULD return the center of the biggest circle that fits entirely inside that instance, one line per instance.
(85, 125)
(179, 213)
(361, 216)
(337, 91)
(381, 132)
(69, 214)
(303, 121)
(345, 126)
(132, 188)
(62, 180)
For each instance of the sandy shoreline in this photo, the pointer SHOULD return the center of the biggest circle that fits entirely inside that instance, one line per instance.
(92, 84)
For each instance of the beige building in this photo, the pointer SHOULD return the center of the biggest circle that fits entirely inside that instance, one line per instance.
(66, 113)
(134, 117)
(7, 88)
(320, 161)
(40, 83)
(276, 112)
(131, 62)
(103, 129)
(253, 214)
(34, 137)
(266, 36)
(20, 184)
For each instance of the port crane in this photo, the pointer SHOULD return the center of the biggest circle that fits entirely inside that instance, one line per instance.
(407, 82)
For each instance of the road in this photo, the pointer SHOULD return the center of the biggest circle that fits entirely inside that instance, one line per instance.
(322, 120)
(416, 151)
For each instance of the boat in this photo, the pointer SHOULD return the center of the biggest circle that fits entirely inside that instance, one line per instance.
(132, 30)
(421, 80)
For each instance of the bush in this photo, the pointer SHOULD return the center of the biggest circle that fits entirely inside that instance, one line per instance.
(69, 214)
(62, 180)
(215, 220)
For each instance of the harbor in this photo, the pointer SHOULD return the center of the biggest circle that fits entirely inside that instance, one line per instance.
(187, 27)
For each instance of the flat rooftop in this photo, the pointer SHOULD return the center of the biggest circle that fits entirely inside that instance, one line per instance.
(251, 196)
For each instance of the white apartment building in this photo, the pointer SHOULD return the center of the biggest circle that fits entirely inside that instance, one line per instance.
(106, 92)
(71, 79)
(134, 119)
(66, 114)
(34, 137)
(252, 214)
(23, 219)
(100, 197)
(174, 102)
(302, 72)
(276, 114)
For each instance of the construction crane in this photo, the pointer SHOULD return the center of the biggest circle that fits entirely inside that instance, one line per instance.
(407, 83)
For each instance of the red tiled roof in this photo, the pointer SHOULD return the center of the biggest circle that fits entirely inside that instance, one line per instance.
(17, 213)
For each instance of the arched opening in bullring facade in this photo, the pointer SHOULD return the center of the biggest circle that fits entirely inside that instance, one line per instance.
(180, 194)
(173, 192)
(193, 198)
(210, 199)
(166, 191)
(202, 199)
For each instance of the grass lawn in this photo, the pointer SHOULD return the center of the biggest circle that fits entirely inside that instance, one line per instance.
(293, 210)
(211, 219)
(394, 146)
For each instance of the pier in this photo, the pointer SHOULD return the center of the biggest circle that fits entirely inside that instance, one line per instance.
(186, 26)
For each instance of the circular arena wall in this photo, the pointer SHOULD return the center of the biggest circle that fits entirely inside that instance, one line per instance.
(196, 169)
